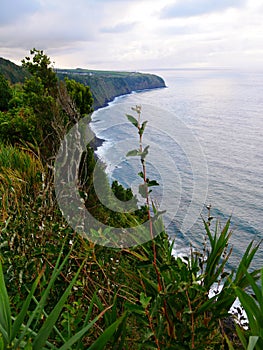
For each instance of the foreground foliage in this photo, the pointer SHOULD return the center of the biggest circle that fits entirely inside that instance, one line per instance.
(59, 290)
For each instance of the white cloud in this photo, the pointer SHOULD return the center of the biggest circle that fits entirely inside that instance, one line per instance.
(188, 8)
(130, 34)
(118, 28)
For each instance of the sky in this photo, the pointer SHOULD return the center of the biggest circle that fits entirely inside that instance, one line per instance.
(135, 34)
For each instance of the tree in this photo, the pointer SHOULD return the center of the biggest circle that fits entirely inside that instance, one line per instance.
(81, 96)
(40, 66)
(57, 105)
(41, 93)
(5, 93)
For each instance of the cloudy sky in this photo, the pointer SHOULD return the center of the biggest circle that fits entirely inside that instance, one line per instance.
(135, 34)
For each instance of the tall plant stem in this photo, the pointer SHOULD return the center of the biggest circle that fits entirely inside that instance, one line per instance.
(158, 275)
(141, 126)
(138, 110)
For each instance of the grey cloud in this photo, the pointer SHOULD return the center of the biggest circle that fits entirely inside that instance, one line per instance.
(52, 25)
(188, 8)
(42, 40)
(12, 10)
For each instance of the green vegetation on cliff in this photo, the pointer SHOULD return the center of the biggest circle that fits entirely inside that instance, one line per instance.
(61, 290)
(105, 85)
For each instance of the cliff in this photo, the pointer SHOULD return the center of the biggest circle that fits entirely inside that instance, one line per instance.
(106, 85)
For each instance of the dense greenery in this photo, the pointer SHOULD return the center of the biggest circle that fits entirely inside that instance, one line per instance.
(59, 290)
(5, 93)
(105, 85)
(42, 109)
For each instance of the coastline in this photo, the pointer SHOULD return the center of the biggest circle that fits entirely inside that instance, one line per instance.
(98, 142)
(112, 100)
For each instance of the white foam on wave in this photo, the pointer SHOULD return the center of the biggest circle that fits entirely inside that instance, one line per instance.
(101, 153)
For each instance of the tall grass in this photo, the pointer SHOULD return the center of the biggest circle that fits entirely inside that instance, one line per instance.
(32, 328)
(21, 172)
(22, 161)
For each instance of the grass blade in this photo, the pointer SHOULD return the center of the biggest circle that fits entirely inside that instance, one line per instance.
(252, 342)
(47, 327)
(84, 330)
(39, 309)
(20, 318)
(5, 311)
(103, 339)
(251, 308)
(241, 336)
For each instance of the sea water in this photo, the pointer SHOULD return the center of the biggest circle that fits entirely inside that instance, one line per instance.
(205, 132)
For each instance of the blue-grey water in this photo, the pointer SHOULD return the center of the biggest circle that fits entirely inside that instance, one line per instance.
(205, 132)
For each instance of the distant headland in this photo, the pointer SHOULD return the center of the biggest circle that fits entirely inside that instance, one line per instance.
(106, 85)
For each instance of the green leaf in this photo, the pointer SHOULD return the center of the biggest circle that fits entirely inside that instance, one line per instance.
(143, 190)
(152, 183)
(257, 291)
(2, 344)
(48, 326)
(144, 300)
(251, 308)
(132, 120)
(36, 314)
(252, 342)
(103, 339)
(4, 334)
(158, 213)
(150, 283)
(144, 153)
(23, 313)
(142, 128)
(5, 312)
(139, 256)
(214, 267)
(28, 347)
(133, 153)
(241, 336)
(82, 332)
(240, 280)
(138, 309)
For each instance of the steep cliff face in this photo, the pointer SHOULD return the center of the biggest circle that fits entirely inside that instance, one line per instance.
(105, 86)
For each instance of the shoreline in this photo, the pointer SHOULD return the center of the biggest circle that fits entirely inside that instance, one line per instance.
(98, 142)
(112, 100)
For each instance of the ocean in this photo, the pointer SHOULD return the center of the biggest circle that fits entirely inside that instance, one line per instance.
(205, 132)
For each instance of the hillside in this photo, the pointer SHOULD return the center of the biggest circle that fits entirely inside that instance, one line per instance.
(12, 72)
(106, 85)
